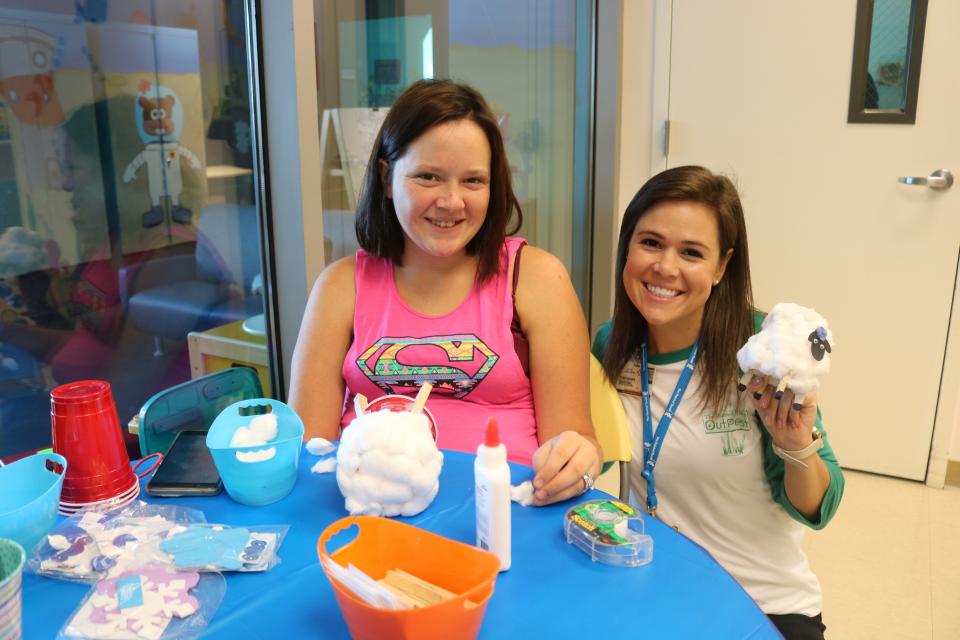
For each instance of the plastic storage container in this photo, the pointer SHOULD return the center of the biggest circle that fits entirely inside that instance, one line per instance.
(265, 481)
(383, 544)
(30, 497)
(610, 532)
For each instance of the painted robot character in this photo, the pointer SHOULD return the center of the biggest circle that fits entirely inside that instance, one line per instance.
(159, 117)
(27, 59)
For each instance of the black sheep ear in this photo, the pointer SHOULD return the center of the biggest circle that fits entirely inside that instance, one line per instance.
(827, 345)
(812, 336)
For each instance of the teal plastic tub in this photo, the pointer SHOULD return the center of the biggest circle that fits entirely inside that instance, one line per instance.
(30, 497)
(265, 481)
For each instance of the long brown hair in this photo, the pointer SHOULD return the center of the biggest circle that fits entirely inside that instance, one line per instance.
(423, 105)
(728, 313)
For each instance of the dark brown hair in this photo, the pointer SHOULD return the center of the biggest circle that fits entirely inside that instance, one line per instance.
(423, 105)
(728, 314)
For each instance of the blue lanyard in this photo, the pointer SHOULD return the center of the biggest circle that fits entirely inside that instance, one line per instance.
(653, 442)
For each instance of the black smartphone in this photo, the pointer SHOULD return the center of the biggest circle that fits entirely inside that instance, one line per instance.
(187, 468)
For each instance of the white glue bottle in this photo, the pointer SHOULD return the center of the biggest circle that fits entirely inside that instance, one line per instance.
(492, 478)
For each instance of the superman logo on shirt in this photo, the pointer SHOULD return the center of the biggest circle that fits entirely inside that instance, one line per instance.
(454, 365)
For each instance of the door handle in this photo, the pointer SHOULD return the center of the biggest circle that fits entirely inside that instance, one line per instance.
(939, 179)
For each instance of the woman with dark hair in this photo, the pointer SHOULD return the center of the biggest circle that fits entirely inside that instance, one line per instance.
(683, 307)
(438, 293)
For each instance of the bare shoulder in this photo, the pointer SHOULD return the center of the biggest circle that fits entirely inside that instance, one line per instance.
(541, 274)
(334, 290)
(544, 291)
(338, 274)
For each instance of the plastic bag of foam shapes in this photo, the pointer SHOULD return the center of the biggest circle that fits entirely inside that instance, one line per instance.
(152, 602)
(93, 545)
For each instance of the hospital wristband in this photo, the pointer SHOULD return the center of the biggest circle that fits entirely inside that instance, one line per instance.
(796, 457)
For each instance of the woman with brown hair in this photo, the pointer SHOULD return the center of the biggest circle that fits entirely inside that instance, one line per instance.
(702, 460)
(438, 293)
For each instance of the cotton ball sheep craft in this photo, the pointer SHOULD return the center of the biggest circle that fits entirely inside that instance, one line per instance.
(792, 350)
(388, 462)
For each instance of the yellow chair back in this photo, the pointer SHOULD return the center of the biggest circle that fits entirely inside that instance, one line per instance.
(610, 423)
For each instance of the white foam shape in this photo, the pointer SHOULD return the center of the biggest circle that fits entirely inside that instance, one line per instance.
(327, 465)
(264, 426)
(260, 455)
(319, 446)
(58, 542)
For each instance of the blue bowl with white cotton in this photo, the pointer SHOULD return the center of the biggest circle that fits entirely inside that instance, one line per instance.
(256, 446)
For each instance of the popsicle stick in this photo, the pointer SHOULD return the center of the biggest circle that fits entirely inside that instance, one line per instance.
(798, 401)
(784, 381)
(421, 398)
(360, 404)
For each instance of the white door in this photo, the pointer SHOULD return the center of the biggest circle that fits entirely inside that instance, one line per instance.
(760, 90)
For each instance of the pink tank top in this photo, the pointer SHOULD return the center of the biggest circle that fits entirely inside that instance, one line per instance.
(468, 355)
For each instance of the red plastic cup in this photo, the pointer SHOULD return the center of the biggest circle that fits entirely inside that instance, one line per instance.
(86, 431)
(400, 404)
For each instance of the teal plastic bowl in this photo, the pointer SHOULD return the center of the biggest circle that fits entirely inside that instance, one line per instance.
(265, 481)
(30, 497)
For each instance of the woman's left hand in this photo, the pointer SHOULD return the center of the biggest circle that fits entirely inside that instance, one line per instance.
(790, 429)
(560, 464)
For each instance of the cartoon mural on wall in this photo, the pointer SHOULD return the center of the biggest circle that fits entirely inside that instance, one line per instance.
(159, 120)
(27, 58)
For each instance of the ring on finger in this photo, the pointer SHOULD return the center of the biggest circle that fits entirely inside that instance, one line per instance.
(588, 482)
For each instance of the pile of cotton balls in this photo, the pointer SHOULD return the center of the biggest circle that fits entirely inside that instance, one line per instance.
(261, 430)
(388, 464)
(792, 350)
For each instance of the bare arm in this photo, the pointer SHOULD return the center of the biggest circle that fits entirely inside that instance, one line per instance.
(317, 386)
(553, 322)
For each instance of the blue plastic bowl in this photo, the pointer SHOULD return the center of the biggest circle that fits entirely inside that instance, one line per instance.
(266, 481)
(30, 497)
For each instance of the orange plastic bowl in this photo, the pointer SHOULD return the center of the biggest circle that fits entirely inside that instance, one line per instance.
(401, 403)
(383, 544)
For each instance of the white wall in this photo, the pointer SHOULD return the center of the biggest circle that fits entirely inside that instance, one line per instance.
(643, 37)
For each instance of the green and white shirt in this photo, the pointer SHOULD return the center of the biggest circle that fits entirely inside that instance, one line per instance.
(720, 483)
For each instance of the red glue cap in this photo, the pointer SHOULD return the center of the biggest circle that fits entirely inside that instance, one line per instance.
(493, 433)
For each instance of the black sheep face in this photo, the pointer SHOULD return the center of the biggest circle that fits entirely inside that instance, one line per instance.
(818, 343)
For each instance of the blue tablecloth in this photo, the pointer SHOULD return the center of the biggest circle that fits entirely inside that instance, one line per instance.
(552, 590)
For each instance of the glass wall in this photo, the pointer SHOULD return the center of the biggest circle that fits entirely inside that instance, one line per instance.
(524, 56)
(129, 233)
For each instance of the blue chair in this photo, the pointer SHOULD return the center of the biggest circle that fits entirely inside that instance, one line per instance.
(171, 296)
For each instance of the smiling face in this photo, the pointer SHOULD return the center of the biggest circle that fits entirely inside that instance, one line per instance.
(672, 264)
(440, 189)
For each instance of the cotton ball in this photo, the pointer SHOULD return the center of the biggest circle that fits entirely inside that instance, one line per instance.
(522, 493)
(388, 464)
(243, 437)
(319, 446)
(326, 465)
(264, 427)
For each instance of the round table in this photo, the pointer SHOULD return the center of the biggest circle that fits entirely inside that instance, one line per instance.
(552, 590)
